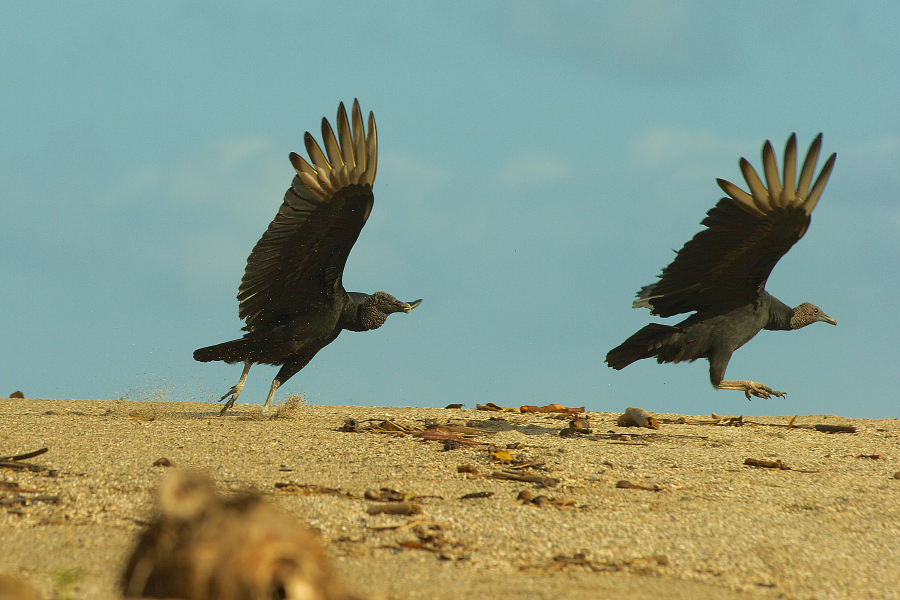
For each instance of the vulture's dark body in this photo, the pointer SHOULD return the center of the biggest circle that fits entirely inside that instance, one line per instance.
(292, 337)
(292, 297)
(720, 274)
(711, 335)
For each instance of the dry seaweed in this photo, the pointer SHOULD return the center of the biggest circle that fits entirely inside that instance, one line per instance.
(627, 485)
(551, 408)
(540, 479)
(768, 464)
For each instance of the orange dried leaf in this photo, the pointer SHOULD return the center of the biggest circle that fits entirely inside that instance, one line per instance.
(551, 408)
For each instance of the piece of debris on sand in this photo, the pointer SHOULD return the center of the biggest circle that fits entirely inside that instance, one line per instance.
(767, 464)
(637, 417)
(578, 425)
(202, 546)
(551, 408)
(12, 588)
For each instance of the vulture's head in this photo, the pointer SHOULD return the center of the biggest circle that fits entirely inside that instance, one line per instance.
(376, 308)
(806, 314)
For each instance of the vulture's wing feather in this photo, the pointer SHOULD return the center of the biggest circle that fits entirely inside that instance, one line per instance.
(727, 264)
(300, 258)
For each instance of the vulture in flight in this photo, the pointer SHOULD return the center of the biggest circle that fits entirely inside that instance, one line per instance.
(292, 297)
(720, 275)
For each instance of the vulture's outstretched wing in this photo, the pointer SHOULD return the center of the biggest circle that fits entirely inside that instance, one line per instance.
(727, 264)
(300, 258)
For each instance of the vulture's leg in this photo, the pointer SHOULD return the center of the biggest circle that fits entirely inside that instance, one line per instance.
(718, 362)
(235, 390)
(750, 387)
(287, 370)
(275, 385)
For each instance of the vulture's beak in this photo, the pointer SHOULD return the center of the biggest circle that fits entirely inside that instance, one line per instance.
(826, 319)
(411, 305)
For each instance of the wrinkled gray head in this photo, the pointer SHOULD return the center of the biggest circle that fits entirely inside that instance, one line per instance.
(377, 307)
(806, 314)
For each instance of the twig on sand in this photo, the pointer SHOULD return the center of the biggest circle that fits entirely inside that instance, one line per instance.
(26, 499)
(836, 428)
(25, 456)
(627, 485)
(768, 464)
(541, 479)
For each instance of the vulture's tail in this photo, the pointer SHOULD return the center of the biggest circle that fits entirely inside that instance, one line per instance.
(230, 352)
(649, 341)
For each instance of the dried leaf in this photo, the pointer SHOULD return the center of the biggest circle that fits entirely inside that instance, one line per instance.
(551, 408)
(441, 434)
(493, 407)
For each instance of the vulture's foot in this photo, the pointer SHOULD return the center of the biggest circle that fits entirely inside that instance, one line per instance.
(234, 392)
(751, 387)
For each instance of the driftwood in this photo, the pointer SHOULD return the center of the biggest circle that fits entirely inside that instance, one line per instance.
(394, 508)
(541, 479)
(768, 464)
(836, 428)
(627, 485)
(25, 456)
(15, 462)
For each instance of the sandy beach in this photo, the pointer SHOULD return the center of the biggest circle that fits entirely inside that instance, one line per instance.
(694, 521)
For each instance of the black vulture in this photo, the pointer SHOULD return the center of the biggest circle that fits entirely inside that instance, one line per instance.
(292, 297)
(720, 275)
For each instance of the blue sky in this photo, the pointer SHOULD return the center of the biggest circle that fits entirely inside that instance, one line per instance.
(538, 163)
